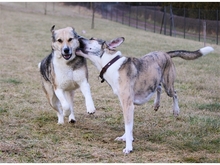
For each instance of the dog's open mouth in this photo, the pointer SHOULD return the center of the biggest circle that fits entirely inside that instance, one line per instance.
(67, 56)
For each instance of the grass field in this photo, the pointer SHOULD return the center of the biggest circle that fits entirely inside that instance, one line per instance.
(28, 129)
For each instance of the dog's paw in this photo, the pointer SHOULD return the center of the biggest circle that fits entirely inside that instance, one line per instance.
(60, 120)
(91, 111)
(72, 118)
(176, 112)
(156, 107)
(72, 121)
(127, 151)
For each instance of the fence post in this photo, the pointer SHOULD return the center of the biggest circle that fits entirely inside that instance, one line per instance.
(45, 9)
(111, 12)
(105, 10)
(145, 17)
(184, 28)
(122, 16)
(116, 14)
(137, 17)
(204, 32)
(171, 22)
(199, 24)
(217, 29)
(154, 17)
(129, 14)
(53, 6)
(165, 22)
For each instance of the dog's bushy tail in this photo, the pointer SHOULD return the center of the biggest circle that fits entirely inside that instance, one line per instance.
(190, 55)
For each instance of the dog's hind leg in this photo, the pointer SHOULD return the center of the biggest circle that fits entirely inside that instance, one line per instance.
(168, 84)
(85, 89)
(176, 109)
(69, 96)
(55, 103)
(157, 98)
(172, 93)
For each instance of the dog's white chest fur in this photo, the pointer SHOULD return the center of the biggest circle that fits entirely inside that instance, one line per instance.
(112, 75)
(68, 79)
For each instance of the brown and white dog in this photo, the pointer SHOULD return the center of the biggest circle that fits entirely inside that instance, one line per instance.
(62, 72)
(134, 80)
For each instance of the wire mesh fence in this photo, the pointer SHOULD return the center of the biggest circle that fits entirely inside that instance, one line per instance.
(175, 22)
(163, 20)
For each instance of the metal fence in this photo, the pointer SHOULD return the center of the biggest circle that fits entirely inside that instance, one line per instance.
(163, 20)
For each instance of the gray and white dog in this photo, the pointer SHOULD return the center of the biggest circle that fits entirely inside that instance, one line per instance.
(62, 72)
(134, 80)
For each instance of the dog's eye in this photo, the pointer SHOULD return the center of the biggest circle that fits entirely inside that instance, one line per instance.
(70, 39)
(59, 40)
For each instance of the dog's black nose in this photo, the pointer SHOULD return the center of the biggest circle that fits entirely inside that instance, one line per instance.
(66, 50)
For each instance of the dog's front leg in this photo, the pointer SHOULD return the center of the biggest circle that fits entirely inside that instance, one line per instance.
(128, 113)
(85, 89)
(64, 104)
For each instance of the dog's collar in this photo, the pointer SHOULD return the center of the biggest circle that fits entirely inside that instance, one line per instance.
(104, 69)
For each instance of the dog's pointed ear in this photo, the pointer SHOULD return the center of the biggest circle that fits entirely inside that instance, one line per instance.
(53, 34)
(74, 33)
(115, 43)
(52, 29)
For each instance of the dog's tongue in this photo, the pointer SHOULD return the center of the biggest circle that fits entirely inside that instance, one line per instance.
(66, 56)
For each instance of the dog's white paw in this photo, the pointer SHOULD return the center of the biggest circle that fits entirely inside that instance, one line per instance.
(127, 151)
(91, 110)
(72, 118)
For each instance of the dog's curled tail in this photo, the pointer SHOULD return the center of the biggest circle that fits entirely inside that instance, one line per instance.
(190, 55)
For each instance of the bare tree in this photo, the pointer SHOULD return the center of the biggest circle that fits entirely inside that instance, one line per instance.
(93, 6)
(45, 9)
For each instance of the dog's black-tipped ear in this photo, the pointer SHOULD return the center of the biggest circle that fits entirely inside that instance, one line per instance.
(115, 43)
(75, 34)
(53, 34)
(52, 29)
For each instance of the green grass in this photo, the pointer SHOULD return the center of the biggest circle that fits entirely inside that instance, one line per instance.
(29, 133)
(213, 107)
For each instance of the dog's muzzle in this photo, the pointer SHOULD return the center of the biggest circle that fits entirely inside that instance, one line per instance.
(67, 53)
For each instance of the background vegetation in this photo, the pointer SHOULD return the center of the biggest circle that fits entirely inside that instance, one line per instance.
(28, 129)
